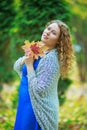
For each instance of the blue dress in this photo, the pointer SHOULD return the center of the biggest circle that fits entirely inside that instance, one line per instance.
(25, 118)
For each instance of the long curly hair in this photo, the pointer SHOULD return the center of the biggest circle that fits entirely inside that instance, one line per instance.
(65, 49)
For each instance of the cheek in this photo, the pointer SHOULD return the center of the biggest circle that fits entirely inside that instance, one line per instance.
(54, 37)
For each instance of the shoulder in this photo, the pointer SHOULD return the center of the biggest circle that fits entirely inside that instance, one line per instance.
(50, 60)
(52, 56)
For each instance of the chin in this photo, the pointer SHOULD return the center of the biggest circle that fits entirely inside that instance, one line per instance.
(43, 40)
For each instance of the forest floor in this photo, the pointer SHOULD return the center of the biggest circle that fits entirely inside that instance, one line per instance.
(73, 113)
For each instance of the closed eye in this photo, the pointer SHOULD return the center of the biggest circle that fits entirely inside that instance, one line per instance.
(48, 28)
(54, 33)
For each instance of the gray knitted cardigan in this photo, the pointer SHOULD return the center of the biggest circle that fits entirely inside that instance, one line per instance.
(43, 84)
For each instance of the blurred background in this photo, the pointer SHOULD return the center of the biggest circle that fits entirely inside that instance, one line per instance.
(26, 19)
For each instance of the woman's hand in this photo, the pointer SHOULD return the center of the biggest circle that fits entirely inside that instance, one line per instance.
(29, 59)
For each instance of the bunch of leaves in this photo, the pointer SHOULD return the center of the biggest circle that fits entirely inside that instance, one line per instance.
(34, 48)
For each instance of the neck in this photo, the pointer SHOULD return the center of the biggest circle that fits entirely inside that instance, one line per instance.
(49, 47)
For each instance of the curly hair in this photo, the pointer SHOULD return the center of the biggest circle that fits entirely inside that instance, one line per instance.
(64, 47)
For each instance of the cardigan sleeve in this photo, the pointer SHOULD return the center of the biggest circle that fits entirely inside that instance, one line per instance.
(45, 76)
(17, 66)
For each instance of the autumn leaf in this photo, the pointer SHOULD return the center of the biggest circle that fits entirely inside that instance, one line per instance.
(26, 46)
(35, 48)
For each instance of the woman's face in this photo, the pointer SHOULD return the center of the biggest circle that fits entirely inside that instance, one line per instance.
(50, 35)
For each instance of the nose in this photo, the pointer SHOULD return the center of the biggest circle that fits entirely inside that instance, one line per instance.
(48, 32)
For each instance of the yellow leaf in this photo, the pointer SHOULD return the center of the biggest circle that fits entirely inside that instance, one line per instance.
(42, 54)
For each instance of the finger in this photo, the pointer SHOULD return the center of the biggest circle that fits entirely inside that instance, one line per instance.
(26, 57)
(26, 54)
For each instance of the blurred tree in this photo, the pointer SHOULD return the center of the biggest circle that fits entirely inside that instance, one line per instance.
(7, 15)
(79, 22)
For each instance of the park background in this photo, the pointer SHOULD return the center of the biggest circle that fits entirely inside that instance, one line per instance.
(26, 19)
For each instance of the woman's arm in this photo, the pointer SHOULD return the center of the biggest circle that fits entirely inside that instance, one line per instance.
(18, 65)
(45, 76)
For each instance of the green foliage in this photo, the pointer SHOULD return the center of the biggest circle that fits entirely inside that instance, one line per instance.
(22, 20)
(63, 85)
(15, 98)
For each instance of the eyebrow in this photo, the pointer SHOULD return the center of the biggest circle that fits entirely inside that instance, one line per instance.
(53, 29)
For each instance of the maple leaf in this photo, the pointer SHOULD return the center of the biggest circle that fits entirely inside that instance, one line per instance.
(27, 45)
(35, 48)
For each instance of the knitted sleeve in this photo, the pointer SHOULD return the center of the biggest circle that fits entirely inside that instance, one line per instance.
(17, 66)
(45, 76)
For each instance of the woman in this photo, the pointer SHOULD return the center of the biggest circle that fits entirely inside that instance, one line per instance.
(38, 105)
